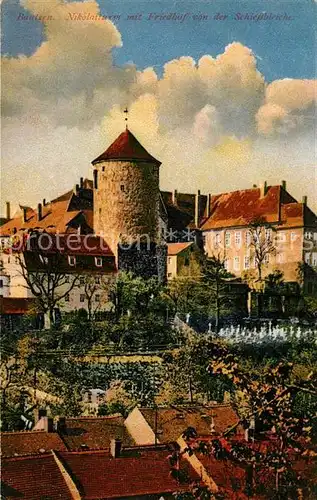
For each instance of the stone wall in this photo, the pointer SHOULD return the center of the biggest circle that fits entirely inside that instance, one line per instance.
(143, 259)
(126, 202)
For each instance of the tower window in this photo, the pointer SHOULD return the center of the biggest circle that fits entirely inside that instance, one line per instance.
(71, 260)
(122, 188)
(103, 169)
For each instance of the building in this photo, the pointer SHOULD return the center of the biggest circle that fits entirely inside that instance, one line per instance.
(167, 424)
(120, 221)
(178, 257)
(121, 473)
(290, 225)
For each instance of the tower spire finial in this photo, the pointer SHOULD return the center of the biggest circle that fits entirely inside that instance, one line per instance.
(126, 111)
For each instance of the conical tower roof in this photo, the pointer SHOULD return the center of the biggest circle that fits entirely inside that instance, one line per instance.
(126, 147)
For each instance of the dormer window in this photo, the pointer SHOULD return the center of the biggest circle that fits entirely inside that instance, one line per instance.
(72, 260)
(98, 261)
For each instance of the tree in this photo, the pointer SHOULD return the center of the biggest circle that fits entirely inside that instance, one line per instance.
(261, 243)
(47, 278)
(92, 288)
(281, 438)
(215, 276)
(261, 247)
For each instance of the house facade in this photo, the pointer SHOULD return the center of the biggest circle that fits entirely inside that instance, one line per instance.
(289, 231)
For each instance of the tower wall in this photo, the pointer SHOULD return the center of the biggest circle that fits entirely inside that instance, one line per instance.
(126, 202)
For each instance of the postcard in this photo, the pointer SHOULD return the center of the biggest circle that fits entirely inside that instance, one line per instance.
(158, 249)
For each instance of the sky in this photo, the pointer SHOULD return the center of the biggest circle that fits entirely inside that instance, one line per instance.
(223, 98)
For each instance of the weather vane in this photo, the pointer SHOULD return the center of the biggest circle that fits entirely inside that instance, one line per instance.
(126, 111)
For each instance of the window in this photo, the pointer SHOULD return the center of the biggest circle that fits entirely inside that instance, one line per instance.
(314, 259)
(217, 239)
(97, 280)
(226, 264)
(122, 188)
(169, 275)
(1, 283)
(293, 236)
(227, 239)
(282, 236)
(169, 260)
(266, 259)
(82, 297)
(98, 261)
(237, 237)
(307, 257)
(67, 298)
(246, 262)
(99, 211)
(97, 297)
(43, 259)
(236, 264)
(66, 279)
(103, 169)
(280, 258)
(204, 240)
(248, 238)
(82, 280)
(268, 234)
(71, 261)
(308, 235)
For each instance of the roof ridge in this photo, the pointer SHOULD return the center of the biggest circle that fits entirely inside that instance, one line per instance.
(5, 433)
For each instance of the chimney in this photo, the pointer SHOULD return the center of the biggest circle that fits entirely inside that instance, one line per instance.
(48, 424)
(61, 425)
(208, 205)
(24, 214)
(283, 184)
(81, 183)
(174, 197)
(8, 209)
(38, 414)
(263, 189)
(39, 211)
(197, 198)
(96, 179)
(304, 201)
(115, 448)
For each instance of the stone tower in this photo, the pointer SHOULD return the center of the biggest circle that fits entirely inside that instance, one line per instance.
(126, 203)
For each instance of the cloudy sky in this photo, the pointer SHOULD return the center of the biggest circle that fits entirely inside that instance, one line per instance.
(224, 103)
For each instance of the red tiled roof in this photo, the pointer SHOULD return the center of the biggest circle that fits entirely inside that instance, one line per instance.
(176, 248)
(126, 147)
(139, 471)
(33, 478)
(30, 443)
(95, 432)
(172, 422)
(15, 305)
(239, 208)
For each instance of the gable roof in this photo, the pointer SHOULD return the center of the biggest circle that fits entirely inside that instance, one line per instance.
(95, 432)
(30, 443)
(33, 478)
(173, 421)
(239, 208)
(138, 471)
(126, 147)
(177, 248)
